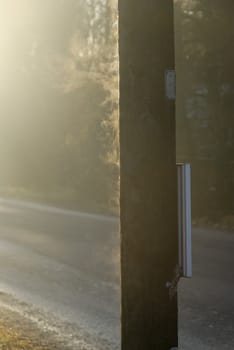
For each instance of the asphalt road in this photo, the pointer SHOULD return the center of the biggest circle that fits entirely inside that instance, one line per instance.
(61, 269)
(207, 300)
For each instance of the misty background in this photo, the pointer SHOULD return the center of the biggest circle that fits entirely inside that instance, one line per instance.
(205, 105)
(59, 145)
(59, 103)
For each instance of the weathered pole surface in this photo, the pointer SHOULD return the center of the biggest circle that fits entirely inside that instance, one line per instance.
(149, 246)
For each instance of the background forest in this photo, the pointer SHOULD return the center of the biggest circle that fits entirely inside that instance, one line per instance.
(205, 103)
(59, 102)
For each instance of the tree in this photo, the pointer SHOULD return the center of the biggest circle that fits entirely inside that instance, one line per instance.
(205, 86)
(66, 115)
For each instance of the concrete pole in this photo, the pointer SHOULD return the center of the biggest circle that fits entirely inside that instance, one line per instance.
(148, 204)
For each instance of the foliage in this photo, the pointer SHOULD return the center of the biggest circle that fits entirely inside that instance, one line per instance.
(204, 57)
(60, 91)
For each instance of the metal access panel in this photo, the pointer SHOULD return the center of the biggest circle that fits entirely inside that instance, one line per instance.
(184, 219)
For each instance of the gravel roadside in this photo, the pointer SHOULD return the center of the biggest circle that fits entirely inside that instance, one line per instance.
(24, 327)
(18, 333)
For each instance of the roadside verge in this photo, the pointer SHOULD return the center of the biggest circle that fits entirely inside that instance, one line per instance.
(17, 333)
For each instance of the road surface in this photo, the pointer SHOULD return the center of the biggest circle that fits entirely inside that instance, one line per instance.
(207, 300)
(60, 268)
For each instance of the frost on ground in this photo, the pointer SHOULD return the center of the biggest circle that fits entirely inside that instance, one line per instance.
(23, 327)
(16, 333)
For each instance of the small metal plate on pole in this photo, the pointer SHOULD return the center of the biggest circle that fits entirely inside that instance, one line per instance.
(170, 84)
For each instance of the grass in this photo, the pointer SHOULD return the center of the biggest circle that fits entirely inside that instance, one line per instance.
(16, 333)
(11, 339)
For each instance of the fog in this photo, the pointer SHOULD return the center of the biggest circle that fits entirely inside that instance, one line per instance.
(204, 116)
(59, 173)
(59, 111)
(204, 56)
